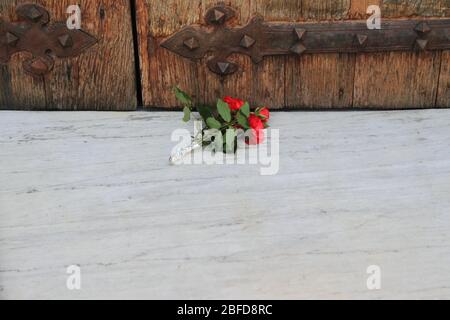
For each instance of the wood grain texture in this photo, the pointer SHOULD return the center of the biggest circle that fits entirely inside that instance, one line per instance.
(15, 92)
(409, 8)
(102, 78)
(320, 81)
(264, 83)
(358, 8)
(239, 85)
(269, 81)
(260, 84)
(443, 97)
(160, 69)
(401, 8)
(324, 80)
(325, 9)
(396, 80)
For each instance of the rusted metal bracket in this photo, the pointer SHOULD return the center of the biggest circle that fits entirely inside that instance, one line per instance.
(258, 38)
(33, 34)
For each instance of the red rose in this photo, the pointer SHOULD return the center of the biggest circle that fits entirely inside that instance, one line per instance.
(265, 113)
(234, 104)
(255, 122)
(257, 133)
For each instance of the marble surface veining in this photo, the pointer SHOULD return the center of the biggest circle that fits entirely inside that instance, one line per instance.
(354, 189)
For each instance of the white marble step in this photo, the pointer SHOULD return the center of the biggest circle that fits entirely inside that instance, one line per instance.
(354, 189)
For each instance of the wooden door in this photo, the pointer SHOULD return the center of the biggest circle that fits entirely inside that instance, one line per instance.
(391, 80)
(100, 78)
(107, 76)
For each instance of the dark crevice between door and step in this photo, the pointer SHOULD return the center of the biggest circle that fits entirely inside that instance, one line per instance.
(137, 60)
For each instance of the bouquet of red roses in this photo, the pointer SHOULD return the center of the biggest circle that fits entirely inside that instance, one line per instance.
(230, 116)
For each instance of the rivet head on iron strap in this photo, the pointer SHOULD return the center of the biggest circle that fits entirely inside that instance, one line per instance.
(191, 43)
(11, 39)
(362, 39)
(247, 42)
(65, 41)
(298, 48)
(34, 14)
(423, 28)
(299, 32)
(422, 43)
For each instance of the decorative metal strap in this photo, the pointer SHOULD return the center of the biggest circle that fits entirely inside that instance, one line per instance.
(31, 34)
(258, 38)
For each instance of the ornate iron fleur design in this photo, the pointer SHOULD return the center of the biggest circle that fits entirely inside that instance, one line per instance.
(33, 33)
(258, 38)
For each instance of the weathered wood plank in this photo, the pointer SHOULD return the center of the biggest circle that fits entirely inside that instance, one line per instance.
(261, 83)
(401, 8)
(17, 88)
(325, 9)
(408, 8)
(239, 85)
(443, 98)
(102, 78)
(160, 69)
(396, 80)
(358, 8)
(322, 81)
(268, 79)
(325, 80)
(113, 86)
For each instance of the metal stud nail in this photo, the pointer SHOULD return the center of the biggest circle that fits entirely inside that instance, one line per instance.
(223, 67)
(247, 41)
(218, 16)
(65, 41)
(298, 48)
(191, 43)
(422, 27)
(11, 39)
(299, 32)
(422, 43)
(34, 14)
(362, 39)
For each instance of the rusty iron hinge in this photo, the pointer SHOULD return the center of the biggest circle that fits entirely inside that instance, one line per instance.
(258, 38)
(33, 34)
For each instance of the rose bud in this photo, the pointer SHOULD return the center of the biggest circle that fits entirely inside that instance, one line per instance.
(265, 113)
(257, 131)
(255, 122)
(234, 104)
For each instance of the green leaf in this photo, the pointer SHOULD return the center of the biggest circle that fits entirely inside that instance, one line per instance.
(205, 112)
(245, 110)
(183, 97)
(213, 123)
(224, 110)
(243, 121)
(187, 114)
